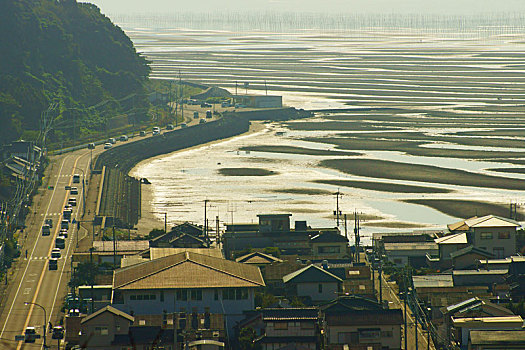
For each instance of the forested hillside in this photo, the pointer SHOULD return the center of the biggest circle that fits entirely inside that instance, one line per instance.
(71, 54)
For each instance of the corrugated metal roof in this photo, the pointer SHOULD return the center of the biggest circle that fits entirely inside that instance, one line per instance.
(433, 281)
(458, 238)
(187, 270)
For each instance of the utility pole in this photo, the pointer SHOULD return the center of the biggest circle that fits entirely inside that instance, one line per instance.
(380, 276)
(405, 304)
(205, 220)
(346, 227)
(91, 279)
(337, 213)
(181, 98)
(114, 249)
(356, 234)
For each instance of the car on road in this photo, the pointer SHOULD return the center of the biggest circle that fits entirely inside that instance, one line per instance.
(142, 133)
(107, 145)
(226, 104)
(49, 222)
(170, 127)
(63, 232)
(91, 145)
(60, 242)
(156, 131)
(76, 178)
(53, 264)
(74, 190)
(124, 138)
(64, 224)
(72, 201)
(183, 125)
(112, 140)
(46, 230)
(30, 335)
(55, 253)
(205, 105)
(202, 121)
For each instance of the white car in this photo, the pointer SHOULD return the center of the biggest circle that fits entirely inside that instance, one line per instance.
(156, 130)
(108, 145)
(55, 253)
(74, 190)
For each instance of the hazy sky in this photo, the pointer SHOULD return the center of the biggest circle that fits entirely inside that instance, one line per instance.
(338, 6)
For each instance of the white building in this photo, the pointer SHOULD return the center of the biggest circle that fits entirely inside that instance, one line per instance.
(187, 282)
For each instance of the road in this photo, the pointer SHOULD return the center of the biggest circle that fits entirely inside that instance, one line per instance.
(32, 281)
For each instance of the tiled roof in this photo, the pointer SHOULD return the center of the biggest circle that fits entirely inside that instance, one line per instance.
(484, 221)
(471, 250)
(157, 253)
(257, 258)
(187, 270)
(329, 237)
(110, 309)
(122, 246)
(311, 273)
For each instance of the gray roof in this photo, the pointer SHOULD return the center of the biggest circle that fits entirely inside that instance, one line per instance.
(111, 309)
(490, 337)
(433, 281)
(471, 250)
(311, 273)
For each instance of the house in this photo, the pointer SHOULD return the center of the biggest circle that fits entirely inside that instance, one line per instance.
(361, 323)
(313, 283)
(491, 233)
(495, 339)
(410, 253)
(193, 237)
(187, 282)
(101, 328)
(330, 245)
(464, 325)
(479, 277)
(468, 257)
(107, 252)
(448, 245)
(273, 274)
(258, 259)
(277, 328)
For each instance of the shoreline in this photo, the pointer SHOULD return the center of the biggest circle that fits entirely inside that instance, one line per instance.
(148, 221)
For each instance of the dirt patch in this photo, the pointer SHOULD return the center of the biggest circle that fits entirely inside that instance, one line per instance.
(462, 208)
(246, 172)
(417, 172)
(383, 187)
(305, 191)
(297, 150)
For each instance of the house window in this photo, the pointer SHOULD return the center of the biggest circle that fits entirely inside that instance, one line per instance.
(196, 294)
(387, 334)
(280, 325)
(485, 235)
(499, 252)
(101, 331)
(320, 288)
(504, 235)
(369, 333)
(234, 293)
(307, 325)
(132, 297)
(329, 249)
(181, 294)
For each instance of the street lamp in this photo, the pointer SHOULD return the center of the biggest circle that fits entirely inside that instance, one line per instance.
(45, 319)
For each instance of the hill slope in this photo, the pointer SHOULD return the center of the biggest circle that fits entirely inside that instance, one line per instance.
(69, 53)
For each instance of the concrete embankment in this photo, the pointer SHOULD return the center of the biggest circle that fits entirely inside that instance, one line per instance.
(120, 160)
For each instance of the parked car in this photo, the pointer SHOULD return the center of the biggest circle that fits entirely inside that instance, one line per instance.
(202, 121)
(91, 145)
(107, 145)
(205, 105)
(208, 114)
(124, 138)
(195, 115)
(183, 125)
(112, 140)
(170, 127)
(156, 130)
(142, 133)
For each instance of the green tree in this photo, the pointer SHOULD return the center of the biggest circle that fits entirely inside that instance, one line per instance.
(247, 337)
